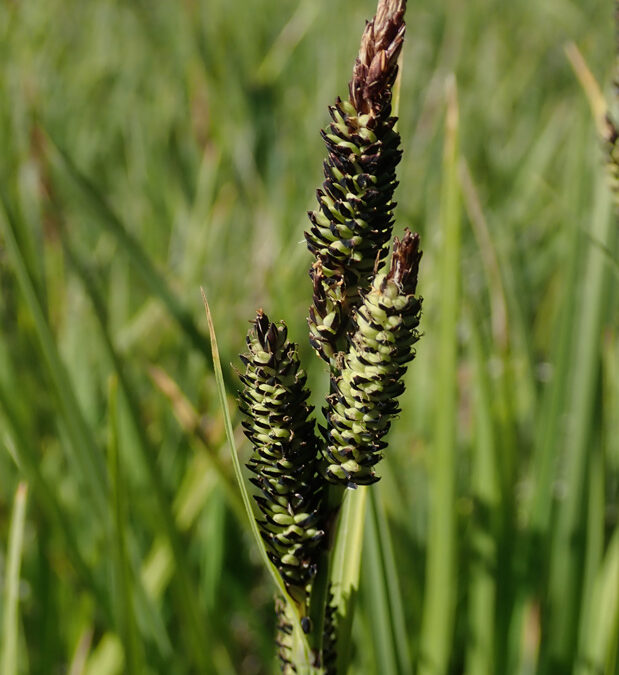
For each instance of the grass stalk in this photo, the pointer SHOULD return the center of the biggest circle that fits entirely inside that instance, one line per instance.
(132, 248)
(383, 588)
(134, 662)
(28, 462)
(186, 595)
(346, 569)
(10, 620)
(486, 503)
(566, 555)
(600, 634)
(441, 579)
(85, 453)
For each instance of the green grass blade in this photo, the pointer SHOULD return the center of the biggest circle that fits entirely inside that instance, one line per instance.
(145, 607)
(346, 569)
(85, 452)
(28, 462)
(549, 425)
(134, 661)
(10, 620)
(189, 421)
(196, 636)
(287, 40)
(373, 578)
(383, 588)
(600, 635)
(486, 502)
(131, 247)
(221, 391)
(439, 602)
(594, 551)
(567, 555)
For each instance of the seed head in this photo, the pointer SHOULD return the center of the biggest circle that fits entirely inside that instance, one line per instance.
(376, 66)
(363, 397)
(352, 226)
(285, 452)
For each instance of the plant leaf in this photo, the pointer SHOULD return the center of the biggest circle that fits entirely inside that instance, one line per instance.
(10, 623)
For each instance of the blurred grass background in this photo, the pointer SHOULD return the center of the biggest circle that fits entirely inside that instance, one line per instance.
(147, 149)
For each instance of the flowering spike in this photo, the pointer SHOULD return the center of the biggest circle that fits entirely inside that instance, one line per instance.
(352, 226)
(376, 66)
(363, 397)
(284, 462)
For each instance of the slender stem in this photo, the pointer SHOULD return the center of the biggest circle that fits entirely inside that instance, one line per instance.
(320, 586)
(346, 567)
(10, 625)
(439, 603)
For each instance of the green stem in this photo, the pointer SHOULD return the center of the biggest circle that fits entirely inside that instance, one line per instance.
(10, 625)
(320, 585)
(346, 567)
(439, 603)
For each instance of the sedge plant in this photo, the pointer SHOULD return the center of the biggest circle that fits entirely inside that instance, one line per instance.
(363, 322)
(112, 211)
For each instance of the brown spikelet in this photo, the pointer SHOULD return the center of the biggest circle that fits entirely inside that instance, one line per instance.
(376, 66)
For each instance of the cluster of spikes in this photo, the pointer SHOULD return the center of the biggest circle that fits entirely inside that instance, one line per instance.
(284, 462)
(364, 394)
(352, 226)
(363, 322)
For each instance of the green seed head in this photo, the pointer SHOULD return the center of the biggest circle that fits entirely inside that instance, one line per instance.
(352, 226)
(364, 397)
(284, 461)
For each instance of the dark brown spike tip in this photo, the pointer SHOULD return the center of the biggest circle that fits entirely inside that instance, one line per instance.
(270, 335)
(376, 66)
(261, 323)
(405, 261)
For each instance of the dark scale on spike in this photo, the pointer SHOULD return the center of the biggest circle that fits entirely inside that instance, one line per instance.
(284, 462)
(352, 226)
(363, 398)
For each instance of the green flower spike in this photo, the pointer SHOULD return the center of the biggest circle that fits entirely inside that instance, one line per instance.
(352, 227)
(285, 460)
(363, 399)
